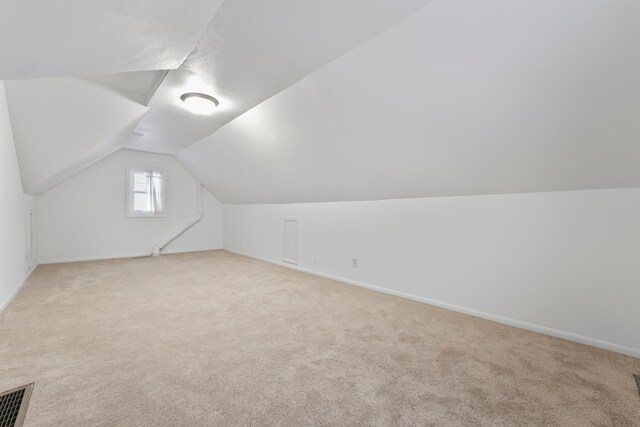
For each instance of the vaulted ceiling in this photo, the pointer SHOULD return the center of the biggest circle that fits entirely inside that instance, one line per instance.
(61, 125)
(332, 100)
(463, 97)
(58, 38)
(252, 50)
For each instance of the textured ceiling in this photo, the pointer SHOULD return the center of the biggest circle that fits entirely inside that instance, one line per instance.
(333, 100)
(72, 38)
(252, 50)
(464, 97)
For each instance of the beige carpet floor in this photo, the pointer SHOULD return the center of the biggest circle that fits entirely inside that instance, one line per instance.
(216, 339)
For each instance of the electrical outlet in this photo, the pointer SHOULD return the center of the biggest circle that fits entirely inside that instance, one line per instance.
(315, 259)
(241, 244)
(354, 263)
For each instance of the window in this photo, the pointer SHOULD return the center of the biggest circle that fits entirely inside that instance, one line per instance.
(146, 192)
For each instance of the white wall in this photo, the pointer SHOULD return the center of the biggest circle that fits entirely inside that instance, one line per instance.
(84, 217)
(562, 263)
(13, 212)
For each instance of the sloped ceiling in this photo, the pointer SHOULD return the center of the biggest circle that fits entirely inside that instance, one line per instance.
(463, 97)
(62, 125)
(252, 50)
(139, 86)
(122, 50)
(56, 38)
(333, 100)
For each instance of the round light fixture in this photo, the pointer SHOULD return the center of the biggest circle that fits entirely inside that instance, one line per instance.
(199, 103)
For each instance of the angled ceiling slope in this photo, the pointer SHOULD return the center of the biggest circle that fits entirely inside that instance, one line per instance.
(57, 38)
(139, 86)
(463, 97)
(60, 126)
(252, 50)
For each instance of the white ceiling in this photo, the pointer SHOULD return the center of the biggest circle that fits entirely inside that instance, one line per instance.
(332, 100)
(139, 86)
(72, 38)
(252, 50)
(62, 125)
(464, 97)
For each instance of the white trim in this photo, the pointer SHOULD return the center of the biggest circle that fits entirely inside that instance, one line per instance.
(121, 256)
(581, 339)
(16, 290)
(93, 258)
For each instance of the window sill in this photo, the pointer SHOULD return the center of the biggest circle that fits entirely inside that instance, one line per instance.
(144, 216)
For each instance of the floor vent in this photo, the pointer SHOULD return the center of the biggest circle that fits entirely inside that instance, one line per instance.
(637, 377)
(13, 406)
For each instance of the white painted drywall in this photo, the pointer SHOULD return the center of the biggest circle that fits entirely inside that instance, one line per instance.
(14, 207)
(84, 217)
(562, 263)
(63, 38)
(252, 50)
(62, 125)
(463, 97)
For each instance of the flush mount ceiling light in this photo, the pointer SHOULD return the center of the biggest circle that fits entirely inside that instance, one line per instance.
(199, 103)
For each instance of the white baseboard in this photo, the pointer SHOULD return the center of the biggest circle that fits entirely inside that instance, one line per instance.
(191, 250)
(17, 289)
(499, 319)
(93, 258)
(119, 256)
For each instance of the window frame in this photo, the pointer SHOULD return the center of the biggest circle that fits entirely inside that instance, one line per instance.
(129, 192)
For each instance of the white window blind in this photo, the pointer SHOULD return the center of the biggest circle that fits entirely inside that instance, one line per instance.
(146, 192)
